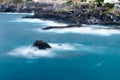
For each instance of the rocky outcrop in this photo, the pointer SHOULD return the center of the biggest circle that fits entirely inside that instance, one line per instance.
(80, 15)
(63, 17)
(24, 7)
(60, 27)
(20, 7)
(7, 8)
(41, 45)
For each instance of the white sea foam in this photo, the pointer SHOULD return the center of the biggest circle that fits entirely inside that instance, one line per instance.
(17, 13)
(64, 46)
(58, 50)
(45, 22)
(100, 63)
(97, 65)
(31, 52)
(82, 30)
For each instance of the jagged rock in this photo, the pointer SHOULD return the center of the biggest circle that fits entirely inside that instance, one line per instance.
(81, 14)
(41, 44)
(7, 8)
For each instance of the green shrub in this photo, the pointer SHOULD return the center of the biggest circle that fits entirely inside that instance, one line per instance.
(109, 5)
(99, 2)
(70, 2)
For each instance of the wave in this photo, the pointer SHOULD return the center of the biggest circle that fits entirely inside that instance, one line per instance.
(59, 50)
(91, 30)
(98, 64)
(45, 22)
(32, 52)
(81, 30)
(16, 13)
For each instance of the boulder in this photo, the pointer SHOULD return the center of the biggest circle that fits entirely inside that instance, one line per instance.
(41, 44)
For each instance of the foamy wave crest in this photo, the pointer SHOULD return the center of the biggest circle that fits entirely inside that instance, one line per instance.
(82, 30)
(31, 52)
(59, 50)
(64, 46)
(18, 13)
(45, 22)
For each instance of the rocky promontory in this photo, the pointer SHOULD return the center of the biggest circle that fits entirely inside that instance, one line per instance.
(82, 14)
(76, 14)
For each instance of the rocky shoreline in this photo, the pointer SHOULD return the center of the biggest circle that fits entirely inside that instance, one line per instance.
(77, 15)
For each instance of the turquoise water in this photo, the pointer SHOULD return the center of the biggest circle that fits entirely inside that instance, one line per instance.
(77, 54)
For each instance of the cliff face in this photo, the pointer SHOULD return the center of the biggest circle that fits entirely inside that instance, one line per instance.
(19, 7)
(80, 15)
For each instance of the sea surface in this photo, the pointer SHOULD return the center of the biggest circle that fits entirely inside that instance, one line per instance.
(86, 53)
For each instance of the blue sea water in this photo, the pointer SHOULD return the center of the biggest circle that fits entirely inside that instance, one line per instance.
(78, 53)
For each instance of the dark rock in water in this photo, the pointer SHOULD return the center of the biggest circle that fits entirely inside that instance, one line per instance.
(60, 27)
(41, 44)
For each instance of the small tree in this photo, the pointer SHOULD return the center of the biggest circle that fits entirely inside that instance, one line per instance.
(99, 2)
(70, 2)
(109, 5)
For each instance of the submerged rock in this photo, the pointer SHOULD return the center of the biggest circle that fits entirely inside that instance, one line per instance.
(41, 44)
